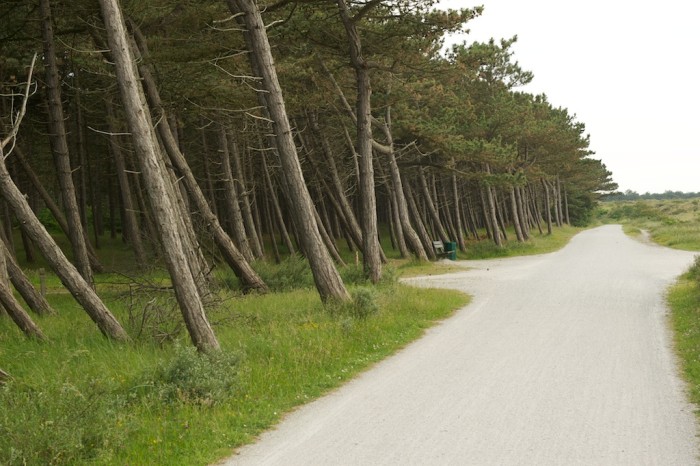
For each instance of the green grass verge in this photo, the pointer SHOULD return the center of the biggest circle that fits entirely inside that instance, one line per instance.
(537, 244)
(79, 399)
(684, 301)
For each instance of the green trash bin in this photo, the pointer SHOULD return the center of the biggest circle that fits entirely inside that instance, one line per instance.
(451, 250)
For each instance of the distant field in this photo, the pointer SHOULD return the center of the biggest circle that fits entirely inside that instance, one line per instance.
(674, 223)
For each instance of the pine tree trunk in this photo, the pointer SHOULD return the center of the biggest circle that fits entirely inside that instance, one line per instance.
(337, 185)
(396, 222)
(231, 198)
(18, 315)
(522, 212)
(279, 218)
(59, 146)
(547, 206)
(326, 277)
(163, 204)
(130, 222)
(413, 239)
(486, 217)
(337, 209)
(244, 198)
(51, 204)
(370, 230)
(515, 216)
(80, 289)
(458, 214)
(33, 298)
(420, 230)
(210, 192)
(248, 277)
(566, 208)
(493, 217)
(271, 231)
(471, 217)
(430, 206)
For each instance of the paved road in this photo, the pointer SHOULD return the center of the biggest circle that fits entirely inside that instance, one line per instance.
(561, 359)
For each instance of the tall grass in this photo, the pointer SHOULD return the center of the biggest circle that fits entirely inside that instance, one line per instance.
(80, 399)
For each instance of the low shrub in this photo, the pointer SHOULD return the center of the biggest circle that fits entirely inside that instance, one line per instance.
(291, 273)
(59, 423)
(362, 306)
(195, 378)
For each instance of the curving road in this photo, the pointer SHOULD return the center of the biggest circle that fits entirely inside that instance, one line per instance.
(560, 359)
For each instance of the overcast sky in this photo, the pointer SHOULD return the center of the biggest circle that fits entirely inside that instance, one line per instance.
(627, 69)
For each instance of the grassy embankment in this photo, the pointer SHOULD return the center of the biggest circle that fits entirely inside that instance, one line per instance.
(676, 224)
(80, 399)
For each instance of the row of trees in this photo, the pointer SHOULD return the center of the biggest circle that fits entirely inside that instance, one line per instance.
(630, 195)
(290, 123)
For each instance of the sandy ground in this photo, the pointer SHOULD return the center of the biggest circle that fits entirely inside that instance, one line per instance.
(561, 359)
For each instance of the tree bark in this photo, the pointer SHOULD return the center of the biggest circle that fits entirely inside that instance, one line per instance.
(458, 214)
(493, 217)
(420, 230)
(547, 207)
(370, 230)
(244, 198)
(162, 201)
(210, 192)
(410, 235)
(249, 279)
(522, 212)
(48, 200)
(33, 298)
(271, 231)
(18, 315)
(59, 146)
(130, 221)
(69, 275)
(439, 227)
(515, 216)
(396, 222)
(328, 281)
(279, 218)
(231, 198)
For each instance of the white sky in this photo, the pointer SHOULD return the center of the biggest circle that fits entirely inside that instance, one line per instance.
(627, 69)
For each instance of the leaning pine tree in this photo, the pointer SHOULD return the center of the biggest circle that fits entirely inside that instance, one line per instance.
(161, 196)
(328, 281)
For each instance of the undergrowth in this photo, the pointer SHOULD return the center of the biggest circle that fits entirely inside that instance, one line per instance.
(81, 399)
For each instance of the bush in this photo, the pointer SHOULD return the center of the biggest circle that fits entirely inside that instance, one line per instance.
(196, 378)
(355, 275)
(292, 273)
(637, 210)
(363, 305)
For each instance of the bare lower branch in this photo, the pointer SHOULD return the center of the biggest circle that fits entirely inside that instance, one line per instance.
(22, 111)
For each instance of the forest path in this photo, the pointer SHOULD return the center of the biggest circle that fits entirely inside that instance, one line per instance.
(560, 359)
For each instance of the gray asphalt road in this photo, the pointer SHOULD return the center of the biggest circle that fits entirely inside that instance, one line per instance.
(561, 359)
